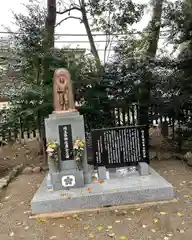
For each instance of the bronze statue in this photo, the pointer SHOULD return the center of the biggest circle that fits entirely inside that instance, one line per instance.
(63, 98)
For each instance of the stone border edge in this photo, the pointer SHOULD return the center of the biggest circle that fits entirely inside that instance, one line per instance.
(55, 215)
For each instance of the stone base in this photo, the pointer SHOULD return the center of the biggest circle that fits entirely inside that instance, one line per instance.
(115, 191)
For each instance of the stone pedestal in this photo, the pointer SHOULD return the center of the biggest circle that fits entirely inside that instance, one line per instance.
(102, 173)
(143, 168)
(65, 128)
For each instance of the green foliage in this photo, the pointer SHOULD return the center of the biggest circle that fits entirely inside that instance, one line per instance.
(113, 17)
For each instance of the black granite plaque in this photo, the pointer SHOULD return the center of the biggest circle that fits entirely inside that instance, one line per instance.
(66, 142)
(122, 146)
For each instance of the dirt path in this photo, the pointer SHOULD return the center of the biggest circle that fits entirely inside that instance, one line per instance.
(150, 223)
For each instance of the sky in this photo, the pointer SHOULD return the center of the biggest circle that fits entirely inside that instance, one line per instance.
(71, 26)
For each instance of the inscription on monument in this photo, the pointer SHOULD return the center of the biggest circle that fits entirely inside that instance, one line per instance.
(118, 146)
(66, 142)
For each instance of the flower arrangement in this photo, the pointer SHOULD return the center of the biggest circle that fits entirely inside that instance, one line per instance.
(52, 150)
(78, 149)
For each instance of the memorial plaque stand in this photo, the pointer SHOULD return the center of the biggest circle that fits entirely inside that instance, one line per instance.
(65, 128)
(120, 147)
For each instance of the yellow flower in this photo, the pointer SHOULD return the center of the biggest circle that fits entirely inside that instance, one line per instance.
(53, 145)
(81, 145)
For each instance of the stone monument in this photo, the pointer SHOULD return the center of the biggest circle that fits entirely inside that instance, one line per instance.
(120, 155)
(65, 125)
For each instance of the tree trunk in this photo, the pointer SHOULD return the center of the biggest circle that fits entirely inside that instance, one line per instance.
(155, 28)
(90, 36)
(48, 46)
(154, 31)
(50, 23)
(49, 37)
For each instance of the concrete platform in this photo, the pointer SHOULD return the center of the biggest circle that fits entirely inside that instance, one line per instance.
(112, 192)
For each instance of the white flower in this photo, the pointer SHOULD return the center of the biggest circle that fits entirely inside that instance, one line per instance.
(50, 150)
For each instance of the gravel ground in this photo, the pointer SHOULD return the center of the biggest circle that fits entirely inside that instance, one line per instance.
(170, 221)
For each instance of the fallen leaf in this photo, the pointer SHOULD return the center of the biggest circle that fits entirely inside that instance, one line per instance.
(170, 234)
(186, 196)
(53, 237)
(19, 223)
(153, 230)
(86, 228)
(41, 220)
(91, 235)
(144, 226)
(89, 190)
(7, 197)
(75, 216)
(50, 190)
(179, 214)
(11, 234)
(100, 228)
(133, 212)
(61, 226)
(27, 212)
(163, 213)
(181, 230)
(26, 228)
(156, 220)
(100, 181)
(123, 238)
(138, 209)
(117, 221)
(111, 234)
(65, 195)
(109, 227)
(68, 230)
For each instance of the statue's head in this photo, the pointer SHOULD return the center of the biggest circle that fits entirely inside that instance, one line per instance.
(62, 75)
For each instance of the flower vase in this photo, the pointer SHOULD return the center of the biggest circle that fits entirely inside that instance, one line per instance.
(79, 165)
(53, 165)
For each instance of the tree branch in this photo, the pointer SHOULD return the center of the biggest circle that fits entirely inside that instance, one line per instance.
(78, 18)
(68, 10)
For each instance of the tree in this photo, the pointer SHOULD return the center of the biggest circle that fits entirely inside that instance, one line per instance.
(110, 17)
